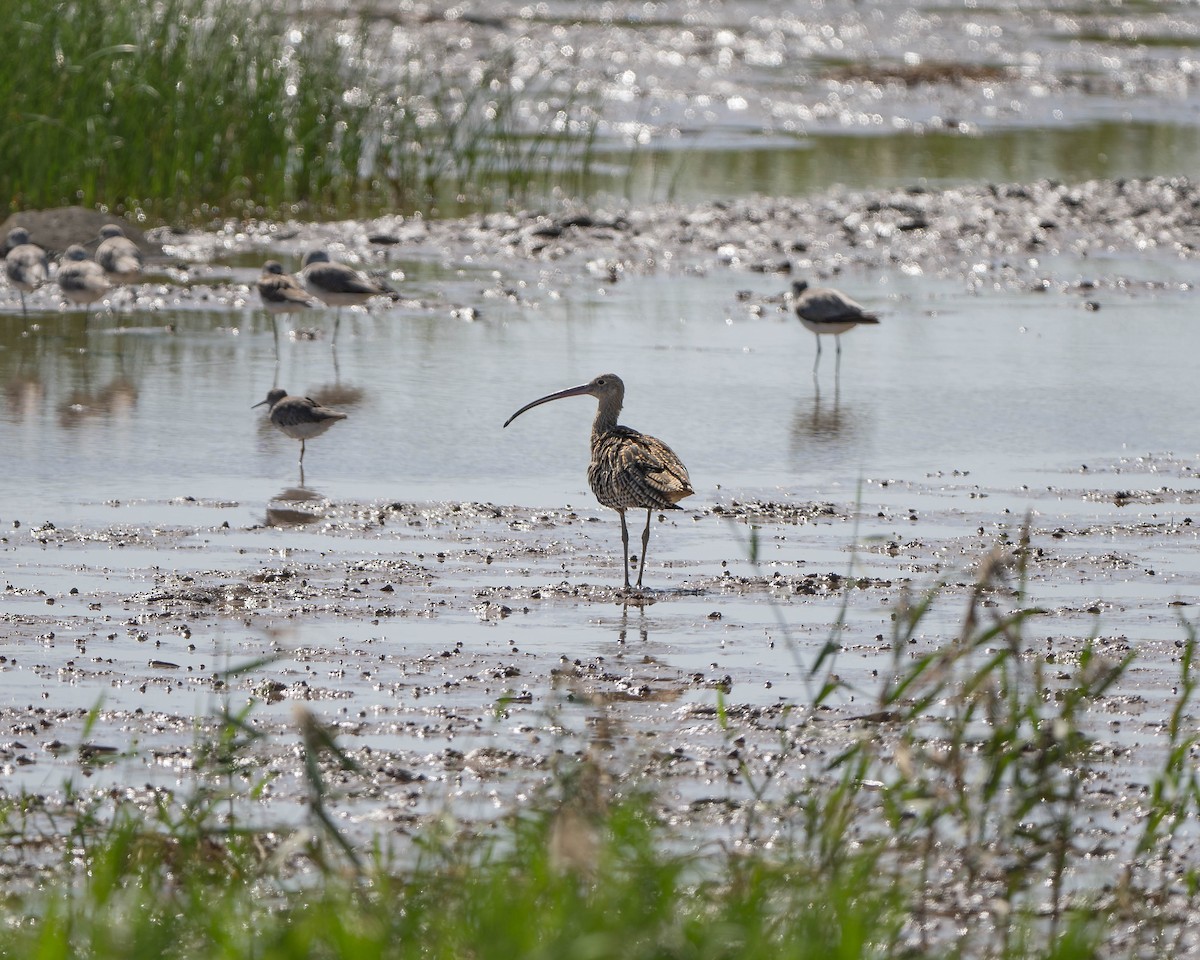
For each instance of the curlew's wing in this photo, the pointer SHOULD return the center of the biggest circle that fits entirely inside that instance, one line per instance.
(630, 469)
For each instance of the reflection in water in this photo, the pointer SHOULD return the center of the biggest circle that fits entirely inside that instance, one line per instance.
(623, 633)
(286, 517)
(24, 394)
(338, 394)
(821, 419)
(289, 516)
(298, 495)
(114, 401)
(823, 422)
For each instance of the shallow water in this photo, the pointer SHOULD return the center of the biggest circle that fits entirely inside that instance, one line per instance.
(1002, 384)
(702, 100)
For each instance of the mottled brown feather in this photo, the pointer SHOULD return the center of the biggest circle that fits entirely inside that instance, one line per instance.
(630, 470)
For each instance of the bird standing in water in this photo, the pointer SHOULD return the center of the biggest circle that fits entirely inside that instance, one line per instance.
(282, 293)
(81, 280)
(629, 470)
(824, 310)
(300, 418)
(25, 263)
(338, 285)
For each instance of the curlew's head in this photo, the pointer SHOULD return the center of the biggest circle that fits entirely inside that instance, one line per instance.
(608, 388)
(273, 267)
(798, 288)
(75, 252)
(272, 398)
(110, 230)
(16, 237)
(315, 256)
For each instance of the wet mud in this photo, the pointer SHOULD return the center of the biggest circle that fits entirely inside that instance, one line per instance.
(463, 652)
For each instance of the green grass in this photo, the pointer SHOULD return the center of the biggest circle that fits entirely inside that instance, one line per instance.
(956, 833)
(195, 109)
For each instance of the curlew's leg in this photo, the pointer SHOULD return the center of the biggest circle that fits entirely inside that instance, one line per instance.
(838, 367)
(301, 453)
(337, 322)
(817, 358)
(645, 544)
(624, 548)
(24, 312)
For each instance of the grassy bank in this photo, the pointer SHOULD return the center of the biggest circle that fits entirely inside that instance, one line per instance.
(193, 109)
(952, 823)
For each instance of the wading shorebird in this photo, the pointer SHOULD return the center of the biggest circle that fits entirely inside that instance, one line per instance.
(824, 310)
(81, 280)
(120, 257)
(300, 418)
(25, 263)
(629, 470)
(282, 293)
(338, 285)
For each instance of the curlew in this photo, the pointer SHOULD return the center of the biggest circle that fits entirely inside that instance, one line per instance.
(25, 263)
(629, 470)
(338, 285)
(120, 257)
(81, 280)
(300, 418)
(824, 310)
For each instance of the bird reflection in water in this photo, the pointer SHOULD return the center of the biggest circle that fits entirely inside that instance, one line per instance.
(283, 509)
(114, 401)
(823, 421)
(623, 633)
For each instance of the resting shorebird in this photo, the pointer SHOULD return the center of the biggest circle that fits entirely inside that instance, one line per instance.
(824, 310)
(629, 470)
(300, 418)
(25, 263)
(120, 257)
(81, 280)
(338, 285)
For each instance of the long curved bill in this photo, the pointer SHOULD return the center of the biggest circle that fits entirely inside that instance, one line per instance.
(584, 389)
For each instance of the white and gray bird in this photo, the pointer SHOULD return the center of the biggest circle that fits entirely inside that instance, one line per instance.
(119, 256)
(826, 312)
(81, 279)
(25, 264)
(338, 285)
(281, 293)
(300, 418)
